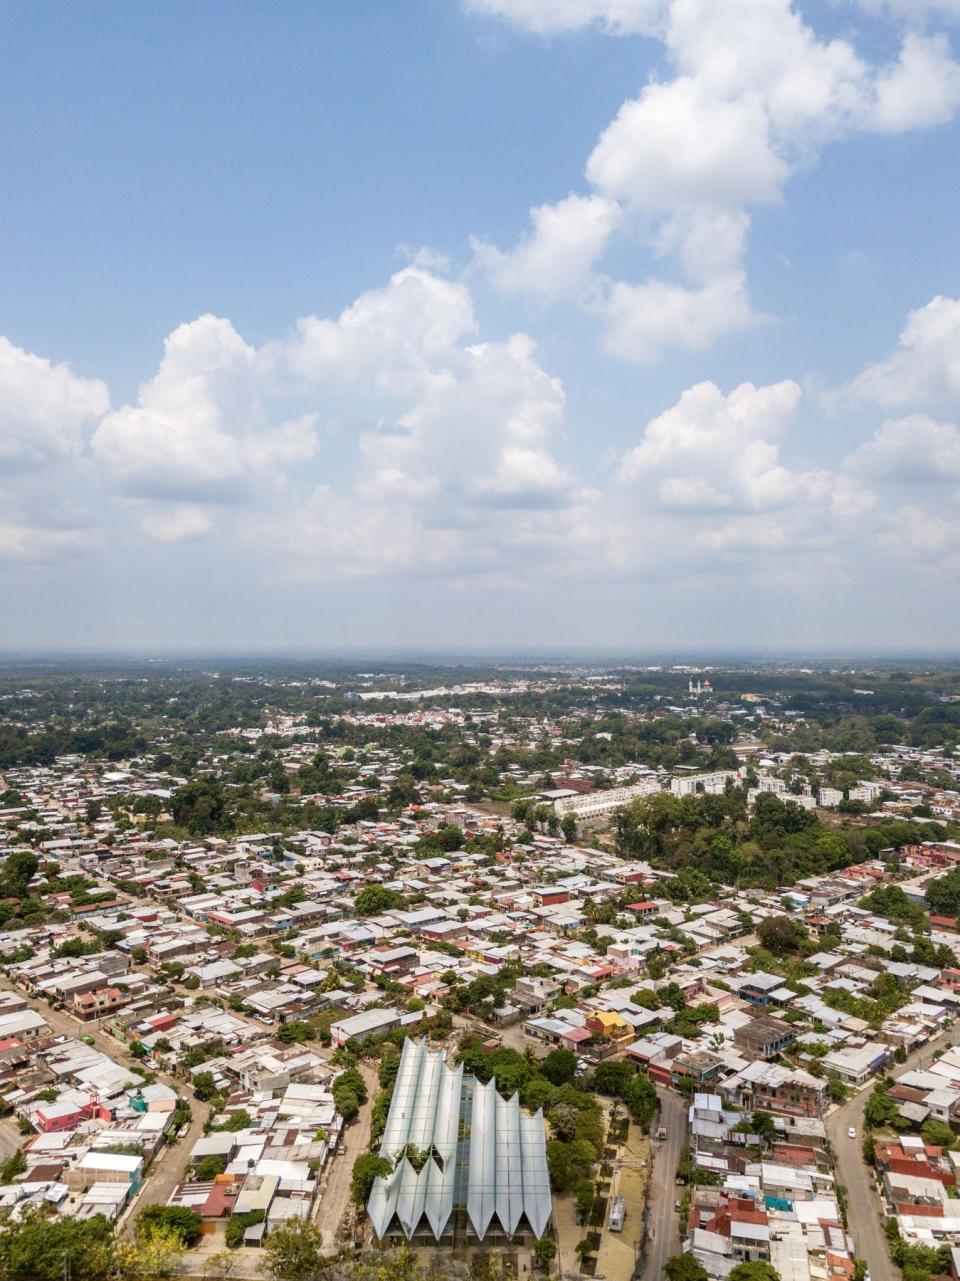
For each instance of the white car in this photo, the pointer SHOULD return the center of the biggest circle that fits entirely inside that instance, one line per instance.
(852, 1133)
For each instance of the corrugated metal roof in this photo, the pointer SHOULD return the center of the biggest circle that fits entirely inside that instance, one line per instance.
(500, 1155)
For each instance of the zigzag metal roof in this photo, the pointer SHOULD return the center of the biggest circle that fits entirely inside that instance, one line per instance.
(503, 1153)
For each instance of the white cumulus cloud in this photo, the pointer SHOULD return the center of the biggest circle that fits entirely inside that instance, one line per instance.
(925, 368)
(556, 258)
(712, 452)
(548, 17)
(752, 94)
(178, 523)
(643, 319)
(197, 431)
(915, 448)
(43, 409)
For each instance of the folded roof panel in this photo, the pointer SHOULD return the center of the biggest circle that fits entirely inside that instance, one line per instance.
(499, 1167)
(509, 1191)
(537, 1201)
(481, 1193)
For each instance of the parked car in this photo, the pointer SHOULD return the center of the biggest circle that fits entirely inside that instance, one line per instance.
(852, 1132)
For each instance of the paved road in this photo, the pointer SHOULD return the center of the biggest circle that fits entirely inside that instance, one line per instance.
(167, 1171)
(662, 1238)
(864, 1209)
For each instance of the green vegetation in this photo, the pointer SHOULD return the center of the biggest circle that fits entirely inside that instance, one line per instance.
(890, 901)
(154, 1254)
(943, 894)
(714, 839)
(684, 1267)
(237, 1225)
(33, 1247)
(366, 1169)
(293, 1252)
(15, 1165)
(917, 1262)
(755, 1270)
(179, 1219)
(886, 995)
(374, 899)
(204, 1084)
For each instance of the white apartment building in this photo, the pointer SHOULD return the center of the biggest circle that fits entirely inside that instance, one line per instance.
(714, 784)
(584, 805)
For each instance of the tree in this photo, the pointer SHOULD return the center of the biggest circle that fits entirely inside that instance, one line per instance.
(544, 1251)
(374, 899)
(296, 1030)
(154, 1255)
(937, 1133)
(568, 1163)
(14, 1165)
(237, 1226)
(880, 1109)
(235, 1121)
(762, 1125)
(208, 1167)
(583, 1197)
(293, 1252)
(612, 1076)
(559, 1067)
(200, 806)
(684, 1267)
(367, 1168)
(33, 1247)
(943, 894)
(277, 778)
(348, 1105)
(568, 825)
(564, 1119)
(757, 1270)
(204, 1086)
(781, 935)
(351, 1080)
(18, 871)
(220, 1265)
(179, 1219)
(836, 1089)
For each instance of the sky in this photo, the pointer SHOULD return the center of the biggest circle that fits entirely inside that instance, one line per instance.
(484, 324)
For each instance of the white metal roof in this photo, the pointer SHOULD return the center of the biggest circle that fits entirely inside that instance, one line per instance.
(501, 1152)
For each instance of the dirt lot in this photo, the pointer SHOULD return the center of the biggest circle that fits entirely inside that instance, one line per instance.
(631, 1173)
(615, 1255)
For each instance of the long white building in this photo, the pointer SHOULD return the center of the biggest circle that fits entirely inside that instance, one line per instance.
(584, 805)
(713, 784)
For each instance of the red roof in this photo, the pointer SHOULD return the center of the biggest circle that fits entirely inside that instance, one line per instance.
(747, 1216)
(577, 1034)
(161, 1022)
(220, 1201)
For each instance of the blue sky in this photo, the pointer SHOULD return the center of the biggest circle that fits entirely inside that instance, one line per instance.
(532, 323)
